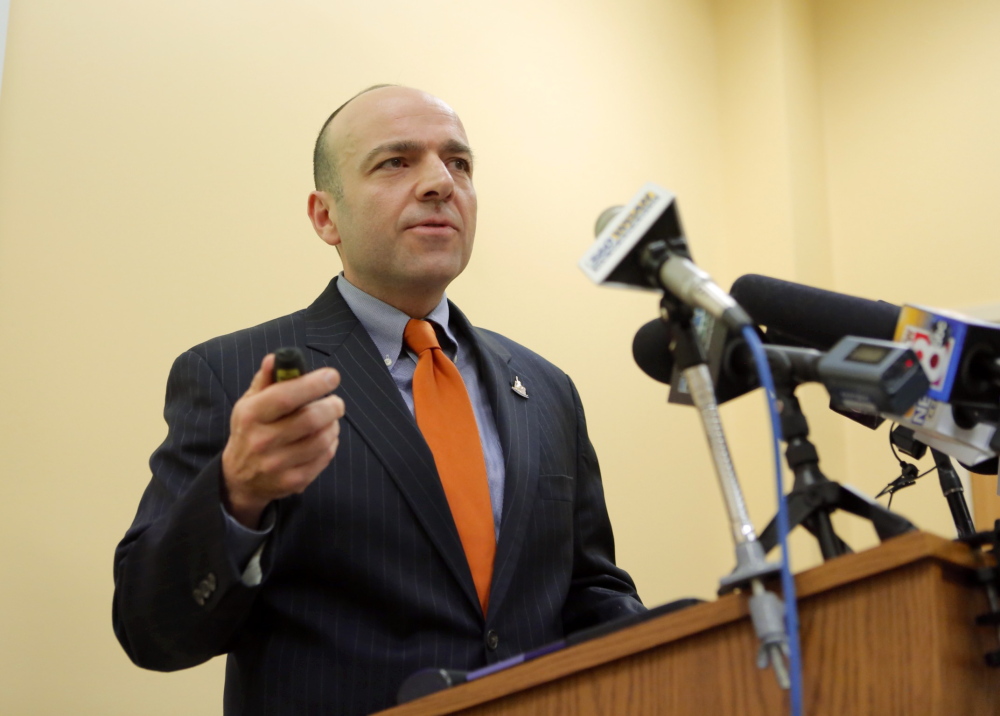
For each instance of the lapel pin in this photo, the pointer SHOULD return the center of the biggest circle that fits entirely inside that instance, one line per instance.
(518, 387)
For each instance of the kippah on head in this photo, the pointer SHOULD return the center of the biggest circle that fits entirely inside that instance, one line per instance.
(325, 174)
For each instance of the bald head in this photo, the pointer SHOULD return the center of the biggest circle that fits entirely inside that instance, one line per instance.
(325, 174)
(326, 152)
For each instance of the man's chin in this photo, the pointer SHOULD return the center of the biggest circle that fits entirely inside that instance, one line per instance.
(433, 272)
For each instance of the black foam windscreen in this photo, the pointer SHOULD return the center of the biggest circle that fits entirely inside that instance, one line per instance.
(651, 350)
(797, 314)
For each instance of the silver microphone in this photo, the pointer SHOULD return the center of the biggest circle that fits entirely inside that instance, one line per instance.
(641, 245)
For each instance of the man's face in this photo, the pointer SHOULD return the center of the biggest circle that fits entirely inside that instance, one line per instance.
(407, 218)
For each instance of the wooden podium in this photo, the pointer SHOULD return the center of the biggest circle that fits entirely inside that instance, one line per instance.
(886, 631)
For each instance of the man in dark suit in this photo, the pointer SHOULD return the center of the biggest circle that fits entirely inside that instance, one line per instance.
(314, 542)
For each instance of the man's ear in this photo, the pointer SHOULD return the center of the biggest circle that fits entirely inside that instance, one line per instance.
(322, 210)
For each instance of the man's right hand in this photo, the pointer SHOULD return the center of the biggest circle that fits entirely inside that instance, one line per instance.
(282, 435)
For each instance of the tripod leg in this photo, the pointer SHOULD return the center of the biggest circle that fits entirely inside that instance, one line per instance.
(887, 523)
(800, 508)
(810, 507)
(830, 545)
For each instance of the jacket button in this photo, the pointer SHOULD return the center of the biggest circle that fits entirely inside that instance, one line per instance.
(492, 640)
(204, 590)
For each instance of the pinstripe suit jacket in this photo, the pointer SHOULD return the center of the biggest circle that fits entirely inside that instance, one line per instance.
(364, 577)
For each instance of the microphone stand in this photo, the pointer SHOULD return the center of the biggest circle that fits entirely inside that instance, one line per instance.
(904, 438)
(954, 493)
(813, 497)
(766, 608)
(951, 486)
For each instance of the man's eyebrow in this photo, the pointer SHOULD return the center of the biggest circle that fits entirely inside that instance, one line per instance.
(453, 146)
(406, 146)
(401, 147)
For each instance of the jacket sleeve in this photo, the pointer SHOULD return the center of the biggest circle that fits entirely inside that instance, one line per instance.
(179, 599)
(600, 590)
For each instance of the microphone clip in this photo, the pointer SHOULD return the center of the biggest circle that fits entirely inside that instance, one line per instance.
(908, 476)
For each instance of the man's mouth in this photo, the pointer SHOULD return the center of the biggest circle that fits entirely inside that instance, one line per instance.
(431, 224)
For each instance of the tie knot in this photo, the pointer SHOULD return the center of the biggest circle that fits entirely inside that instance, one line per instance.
(420, 336)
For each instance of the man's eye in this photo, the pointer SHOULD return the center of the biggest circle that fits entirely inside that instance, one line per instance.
(394, 163)
(462, 165)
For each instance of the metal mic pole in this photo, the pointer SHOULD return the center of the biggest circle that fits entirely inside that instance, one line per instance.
(766, 608)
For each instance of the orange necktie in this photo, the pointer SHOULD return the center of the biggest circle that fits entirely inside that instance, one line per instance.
(444, 416)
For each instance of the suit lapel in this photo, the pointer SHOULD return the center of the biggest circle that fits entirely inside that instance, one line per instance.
(378, 414)
(516, 423)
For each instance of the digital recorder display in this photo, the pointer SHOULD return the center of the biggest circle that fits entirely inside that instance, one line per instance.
(870, 354)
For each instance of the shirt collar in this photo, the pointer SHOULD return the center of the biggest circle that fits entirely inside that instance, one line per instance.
(385, 323)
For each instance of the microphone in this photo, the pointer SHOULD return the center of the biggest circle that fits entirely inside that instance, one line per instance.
(643, 246)
(797, 314)
(428, 681)
(960, 355)
(860, 374)
(651, 350)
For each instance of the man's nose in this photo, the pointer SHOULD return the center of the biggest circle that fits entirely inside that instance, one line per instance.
(436, 182)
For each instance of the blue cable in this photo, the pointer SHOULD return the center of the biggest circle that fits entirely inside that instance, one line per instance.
(787, 583)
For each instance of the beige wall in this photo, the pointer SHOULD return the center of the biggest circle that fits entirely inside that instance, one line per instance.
(154, 162)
